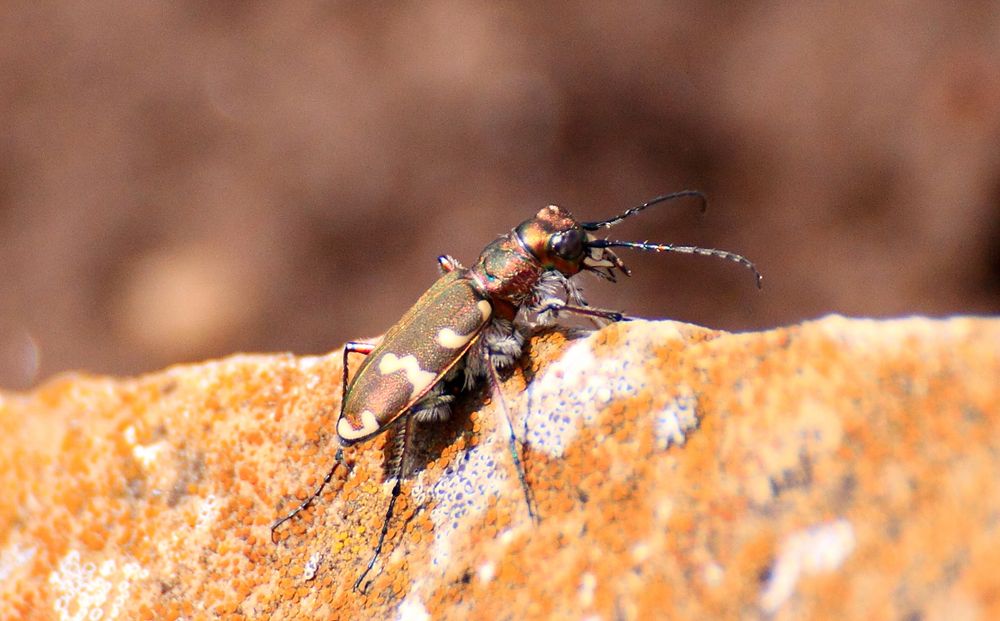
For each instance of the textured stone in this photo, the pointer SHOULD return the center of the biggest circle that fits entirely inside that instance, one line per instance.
(837, 469)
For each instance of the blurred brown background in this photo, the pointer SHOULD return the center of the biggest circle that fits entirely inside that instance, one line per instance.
(186, 179)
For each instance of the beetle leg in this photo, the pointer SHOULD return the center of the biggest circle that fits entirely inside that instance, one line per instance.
(434, 406)
(338, 460)
(448, 263)
(554, 291)
(501, 342)
(598, 313)
(551, 286)
(398, 462)
(511, 438)
(352, 347)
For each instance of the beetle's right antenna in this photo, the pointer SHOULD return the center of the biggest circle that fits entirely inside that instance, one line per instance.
(705, 252)
(603, 224)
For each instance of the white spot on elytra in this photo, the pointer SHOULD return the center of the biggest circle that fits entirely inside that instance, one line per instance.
(449, 339)
(822, 548)
(484, 309)
(369, 425)
(418, 378)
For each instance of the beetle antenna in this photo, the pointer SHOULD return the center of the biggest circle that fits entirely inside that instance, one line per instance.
(706, 252)
(603, 224)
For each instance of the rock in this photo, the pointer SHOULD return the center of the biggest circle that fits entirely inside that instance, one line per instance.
(837, 469)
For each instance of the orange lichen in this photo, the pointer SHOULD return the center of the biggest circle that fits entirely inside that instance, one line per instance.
(177, 476)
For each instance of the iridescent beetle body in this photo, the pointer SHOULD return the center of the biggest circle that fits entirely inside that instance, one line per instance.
(474, 321)
(436, 333)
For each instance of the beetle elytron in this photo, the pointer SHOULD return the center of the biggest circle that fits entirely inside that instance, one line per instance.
(473, 322)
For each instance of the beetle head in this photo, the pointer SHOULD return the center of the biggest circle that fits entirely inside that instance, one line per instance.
(559, 242)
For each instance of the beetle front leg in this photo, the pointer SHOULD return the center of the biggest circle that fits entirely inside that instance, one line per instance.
(557, 307)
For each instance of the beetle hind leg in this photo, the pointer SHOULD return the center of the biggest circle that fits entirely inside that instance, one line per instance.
(397, 464)
(338, 460)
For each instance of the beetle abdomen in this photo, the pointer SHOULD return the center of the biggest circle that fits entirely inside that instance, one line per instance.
(414, 356)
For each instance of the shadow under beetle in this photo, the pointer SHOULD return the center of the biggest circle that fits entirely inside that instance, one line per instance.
(474, 322)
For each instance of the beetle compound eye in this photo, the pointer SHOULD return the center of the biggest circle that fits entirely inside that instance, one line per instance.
(567, 244)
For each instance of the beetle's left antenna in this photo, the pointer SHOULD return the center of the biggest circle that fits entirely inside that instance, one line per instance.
(603, 224)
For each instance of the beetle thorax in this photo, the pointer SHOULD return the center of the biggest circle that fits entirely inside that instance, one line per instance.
(506, 271)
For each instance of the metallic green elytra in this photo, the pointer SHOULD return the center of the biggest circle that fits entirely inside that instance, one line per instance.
(472, 323)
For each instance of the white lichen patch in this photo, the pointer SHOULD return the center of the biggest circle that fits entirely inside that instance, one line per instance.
(308, 363)
(486, 572)
(577, 386)
(149, 454)
(677, 419)
(412, 609)
(588, 583)
(91, 592)
(146, 454)
(822, 548)
(462, 493)
(13, 557)
(311, 566)
(207, 513)
(712, 574)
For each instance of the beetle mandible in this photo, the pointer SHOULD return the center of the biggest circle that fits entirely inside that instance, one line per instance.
(472, 323)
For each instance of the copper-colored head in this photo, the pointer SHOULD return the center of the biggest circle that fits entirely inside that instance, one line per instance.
(559, 242)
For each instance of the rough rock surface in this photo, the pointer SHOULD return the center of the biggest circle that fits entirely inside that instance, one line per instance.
(837, 469)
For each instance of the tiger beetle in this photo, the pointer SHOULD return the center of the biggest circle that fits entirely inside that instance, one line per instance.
(471, 324)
